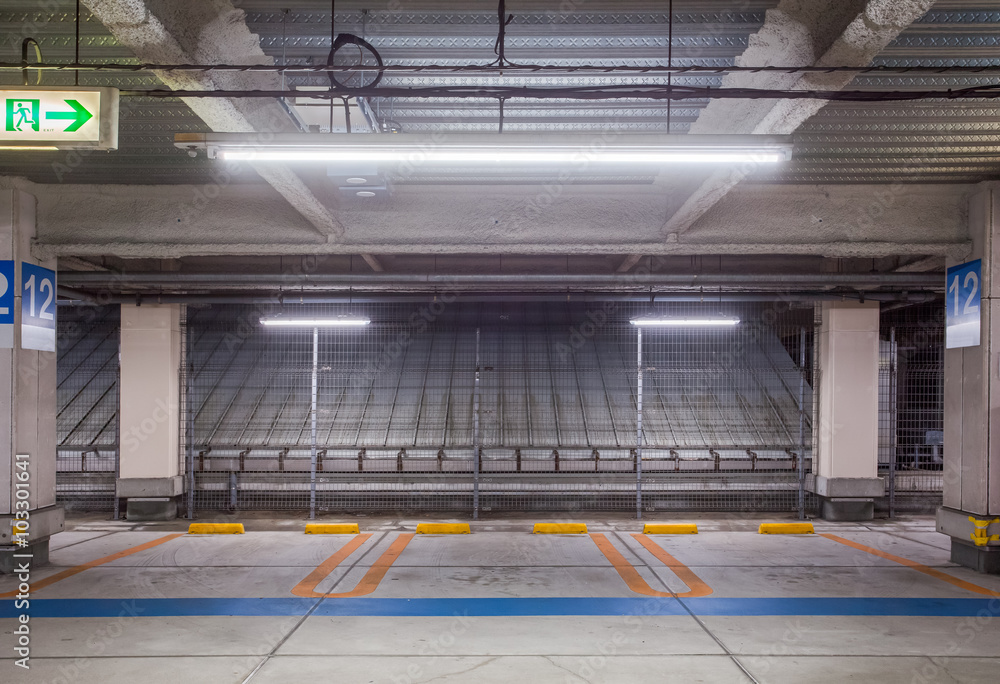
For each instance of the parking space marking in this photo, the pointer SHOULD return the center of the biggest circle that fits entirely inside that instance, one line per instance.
(77, 569)
(919, 567)
(635, 581)
(695, 584)
(371, 580)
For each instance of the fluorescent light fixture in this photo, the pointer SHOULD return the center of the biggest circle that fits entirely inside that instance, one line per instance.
(315, 322)
(36, 148)
(577, 151)
(686, 322)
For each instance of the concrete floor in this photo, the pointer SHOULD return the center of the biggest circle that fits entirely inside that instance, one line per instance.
(504, 605)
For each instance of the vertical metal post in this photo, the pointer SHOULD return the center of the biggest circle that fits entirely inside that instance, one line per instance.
(188, 407)
(892, 422)
(118, 429)
(312, 418)
(638, 431)
(802, 424)
(475, 437)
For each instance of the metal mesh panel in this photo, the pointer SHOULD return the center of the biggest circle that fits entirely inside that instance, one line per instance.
(87, 407)
(393, 410)
(911, 408)
(729, 410)
(557, 394)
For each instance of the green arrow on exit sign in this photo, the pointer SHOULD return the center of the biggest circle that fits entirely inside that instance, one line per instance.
(40, 118)
(79, 115)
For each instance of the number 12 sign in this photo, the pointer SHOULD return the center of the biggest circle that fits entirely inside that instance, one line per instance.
(7, 292)
(38, 308)
(962, 303)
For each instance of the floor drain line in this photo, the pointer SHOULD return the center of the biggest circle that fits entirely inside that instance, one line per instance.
(736, 661)
(309, 613)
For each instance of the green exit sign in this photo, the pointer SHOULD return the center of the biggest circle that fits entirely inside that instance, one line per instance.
(63, 118)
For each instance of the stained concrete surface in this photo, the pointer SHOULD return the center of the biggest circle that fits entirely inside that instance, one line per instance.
(503, 562)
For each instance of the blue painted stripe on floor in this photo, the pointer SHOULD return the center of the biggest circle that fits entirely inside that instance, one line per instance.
(924, 607)
(161, 607)
(446, 607)
(501, 606)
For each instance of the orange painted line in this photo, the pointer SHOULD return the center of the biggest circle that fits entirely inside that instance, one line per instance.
(368, 583)
(635, 581)
(937, 574)
(329, 565)
(77, 569)
(696, 585)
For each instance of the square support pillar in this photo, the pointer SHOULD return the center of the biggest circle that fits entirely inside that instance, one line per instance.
(27, 407)
(971, 511)
(149, 474)
(847, 479)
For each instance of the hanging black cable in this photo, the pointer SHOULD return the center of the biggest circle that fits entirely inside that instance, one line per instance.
(350, 80)
(76, 57)
(670, 56)
(24, 60)
(500, 44)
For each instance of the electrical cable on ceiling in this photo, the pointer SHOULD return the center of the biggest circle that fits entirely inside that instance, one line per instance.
(670, 56)
(527, 70)
(608, 92)
(76, 57)
(358, 72)
(24, 60)
(500, 44)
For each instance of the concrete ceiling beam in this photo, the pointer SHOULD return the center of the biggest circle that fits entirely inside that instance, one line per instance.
(825, 220)
(214, 32)
(795, 33)
(956, 249)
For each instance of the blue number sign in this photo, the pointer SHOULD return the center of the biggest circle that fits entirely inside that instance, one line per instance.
(7, 292)
(962, 302)
(38, 308)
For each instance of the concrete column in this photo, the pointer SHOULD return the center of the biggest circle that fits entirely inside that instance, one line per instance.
(27, 408)
(972, 408)
(846, 476)
(150, 476)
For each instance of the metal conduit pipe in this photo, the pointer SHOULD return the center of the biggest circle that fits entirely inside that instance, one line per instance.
(84, 299)
(931, 281)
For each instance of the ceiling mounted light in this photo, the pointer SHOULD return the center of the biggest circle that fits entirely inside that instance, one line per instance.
(579, 151)
(315, 322)
(721, 321)
(365, 193)
(357, 181)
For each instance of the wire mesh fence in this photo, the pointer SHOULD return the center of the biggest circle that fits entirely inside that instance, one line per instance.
(723, 420)
(87, 408)
(726, 420)
(911, 408)
(441, 406)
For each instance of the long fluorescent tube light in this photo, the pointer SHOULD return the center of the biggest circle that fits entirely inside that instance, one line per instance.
(576, 150)
(314, 322)
(684, 322)
(500, 156)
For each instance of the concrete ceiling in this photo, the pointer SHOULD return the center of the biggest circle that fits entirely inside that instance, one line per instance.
(839, 197)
